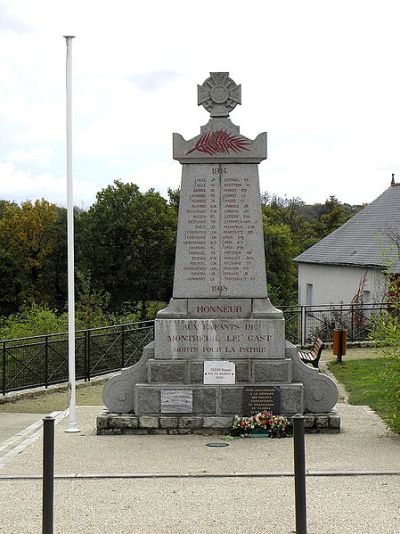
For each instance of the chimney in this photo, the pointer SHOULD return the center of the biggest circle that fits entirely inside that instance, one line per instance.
(393, 182)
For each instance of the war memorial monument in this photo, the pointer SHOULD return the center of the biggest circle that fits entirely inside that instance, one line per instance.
(219, 348)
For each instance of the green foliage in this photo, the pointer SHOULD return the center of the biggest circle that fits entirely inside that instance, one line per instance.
(279, 253)
(174, 196)
(27, 235)
(11, 283)
(386, 333)
(334, 215)
(290, 227)
(125, 251)
(91, 306)
(369, 382)
(33, 320)
(129, 245)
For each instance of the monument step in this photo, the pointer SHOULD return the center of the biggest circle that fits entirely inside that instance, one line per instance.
(193, 371)
(218, 400)
(109, 423)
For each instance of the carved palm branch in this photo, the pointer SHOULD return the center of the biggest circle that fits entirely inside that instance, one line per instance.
(218, 142)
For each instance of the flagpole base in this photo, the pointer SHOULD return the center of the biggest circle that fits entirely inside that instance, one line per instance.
(72, 428)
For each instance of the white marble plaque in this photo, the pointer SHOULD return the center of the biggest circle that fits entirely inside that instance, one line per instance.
(220, 246)
(219, 372)
(176, 401)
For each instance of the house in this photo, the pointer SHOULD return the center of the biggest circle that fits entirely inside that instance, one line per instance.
(348, 265)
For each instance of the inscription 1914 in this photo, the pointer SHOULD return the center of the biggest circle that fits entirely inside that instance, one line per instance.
(258, 399)
(220, 233)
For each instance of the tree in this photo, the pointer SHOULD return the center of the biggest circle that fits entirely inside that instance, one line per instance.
(11, 284)
(129, 245)
(290, 212)
(174, 196)
(27, 235)
(334, 215)
(281, 271)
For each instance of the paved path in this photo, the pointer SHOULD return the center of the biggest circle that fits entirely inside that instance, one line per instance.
(12, 424)
(177, 484)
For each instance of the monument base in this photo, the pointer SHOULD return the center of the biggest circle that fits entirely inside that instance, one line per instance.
(109, 423)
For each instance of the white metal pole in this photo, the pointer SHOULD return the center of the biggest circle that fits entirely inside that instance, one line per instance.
(72, 426)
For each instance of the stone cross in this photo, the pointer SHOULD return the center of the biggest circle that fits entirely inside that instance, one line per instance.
(219, 94)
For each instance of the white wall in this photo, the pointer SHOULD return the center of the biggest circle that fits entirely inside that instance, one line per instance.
(337, 284)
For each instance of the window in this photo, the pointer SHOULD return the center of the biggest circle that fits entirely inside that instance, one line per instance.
(309, 295)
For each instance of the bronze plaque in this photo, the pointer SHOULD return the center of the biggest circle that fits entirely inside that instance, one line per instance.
(258, 399)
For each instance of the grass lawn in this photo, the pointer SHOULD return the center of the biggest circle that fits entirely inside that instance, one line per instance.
(363, 381)
(52, 401)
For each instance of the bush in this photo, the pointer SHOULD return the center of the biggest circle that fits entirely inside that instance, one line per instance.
(387, 335)
(33, 321)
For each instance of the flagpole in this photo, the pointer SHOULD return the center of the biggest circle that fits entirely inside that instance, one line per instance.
(72, 426)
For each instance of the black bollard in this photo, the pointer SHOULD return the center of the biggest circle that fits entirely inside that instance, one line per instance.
(299, 474)
(48, 474)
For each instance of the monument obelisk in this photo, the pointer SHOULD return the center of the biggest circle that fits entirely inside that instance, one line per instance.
(219, 345)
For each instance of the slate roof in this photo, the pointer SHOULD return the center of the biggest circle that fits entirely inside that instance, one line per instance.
(368, 239)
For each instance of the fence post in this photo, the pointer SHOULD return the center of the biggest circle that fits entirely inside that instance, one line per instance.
(123, 347)
(4, 369)
(85, 356)
(352, 323)
(46, 361)
(299, 474)
(48, 475)
(303, 325)
(88, 359)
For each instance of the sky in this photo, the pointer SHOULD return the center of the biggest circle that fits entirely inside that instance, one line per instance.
(322, 78)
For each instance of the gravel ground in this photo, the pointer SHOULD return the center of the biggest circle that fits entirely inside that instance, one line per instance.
(366, 501)
(335, 505)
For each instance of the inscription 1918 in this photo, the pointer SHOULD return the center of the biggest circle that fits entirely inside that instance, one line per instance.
(220, 233)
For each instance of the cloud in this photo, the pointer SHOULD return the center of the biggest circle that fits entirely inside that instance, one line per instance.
(153, 81)
(12, 23)
(19, 185)
(159, 175)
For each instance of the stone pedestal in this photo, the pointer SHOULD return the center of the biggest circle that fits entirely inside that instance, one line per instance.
(220, 311)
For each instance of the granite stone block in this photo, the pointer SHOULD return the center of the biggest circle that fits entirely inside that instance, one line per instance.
(217, 422)
(218, 339)
(231, 400)
(147, 400)
(196, 372)
(204, 400)
(217, 308)
(166, 371)
(309, 421)
(291, 398)
(146, 421)
(272, 371)
(322, 422)
(243, 369)
(231, 201)
(190, 422)
(334, 421)
(124, 421)
(168, 422)
(102, 421)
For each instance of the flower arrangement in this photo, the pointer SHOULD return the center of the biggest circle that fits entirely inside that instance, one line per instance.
(263, 423)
